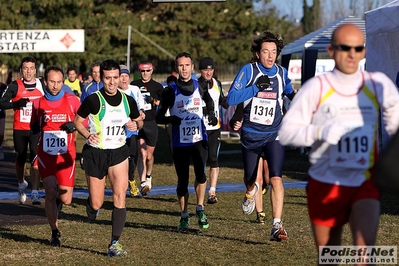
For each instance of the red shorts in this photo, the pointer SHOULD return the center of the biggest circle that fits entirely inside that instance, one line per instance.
(60, 166)
(330, 205)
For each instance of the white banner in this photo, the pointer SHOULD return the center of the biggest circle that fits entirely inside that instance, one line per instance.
(322, 65)
(42, 41)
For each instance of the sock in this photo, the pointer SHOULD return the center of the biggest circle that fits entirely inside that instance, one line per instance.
(200, 208)
(276, 220)
(34, 191)
(251, 193)
(55, 232)
(184, 214)
(21, 185)
(118, 222)
(212, 189)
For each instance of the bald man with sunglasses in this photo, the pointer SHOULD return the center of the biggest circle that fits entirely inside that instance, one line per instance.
(337, 114)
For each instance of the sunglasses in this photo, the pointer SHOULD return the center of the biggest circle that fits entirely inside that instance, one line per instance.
(347, 48)
(145, 70)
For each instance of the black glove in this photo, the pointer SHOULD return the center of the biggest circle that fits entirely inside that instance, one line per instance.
(148, 99)
(68, 127)
(263, 82)
(20, 103)
(35, 128)
(174, 120)
(212, 120)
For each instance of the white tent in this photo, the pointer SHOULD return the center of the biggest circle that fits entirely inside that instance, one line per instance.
(312, 44)
(382, 39)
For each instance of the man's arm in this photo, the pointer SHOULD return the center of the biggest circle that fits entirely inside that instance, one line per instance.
(8, 95)
(167, 101)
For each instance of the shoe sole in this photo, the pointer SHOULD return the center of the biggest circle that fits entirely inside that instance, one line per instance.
(278, 236)
(204, 226)
(36, 203)
(145, 190)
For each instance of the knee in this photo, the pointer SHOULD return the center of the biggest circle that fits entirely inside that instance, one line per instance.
(276, 182)
(213, 162)
(181, 191)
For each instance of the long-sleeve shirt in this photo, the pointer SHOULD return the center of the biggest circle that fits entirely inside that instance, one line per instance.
(353, 102)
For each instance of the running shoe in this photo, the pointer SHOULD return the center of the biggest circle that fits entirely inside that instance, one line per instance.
(183, 224)
(148, 180)
(144, 188)
(35, 199)
(212, 197)
(115, 249)
(56, 240)
(202, 220)
(91, 213)
(278, 233)
(248, 203)
(261, 217)
(21, 192)
(134, 191)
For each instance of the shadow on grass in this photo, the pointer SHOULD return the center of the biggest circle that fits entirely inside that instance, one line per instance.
(7, 234)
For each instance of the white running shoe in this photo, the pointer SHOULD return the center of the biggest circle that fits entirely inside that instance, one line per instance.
(21, 192)
(248, 204)
(278, 232)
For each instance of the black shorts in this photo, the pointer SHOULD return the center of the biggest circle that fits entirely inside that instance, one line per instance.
(96, 161)
(149, 133)
(23, 139)
(2, 114)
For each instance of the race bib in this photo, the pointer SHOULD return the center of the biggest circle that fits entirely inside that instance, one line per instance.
(25, 113)
(263, 111)
(190, 131)
(55, 142)
(353, 150)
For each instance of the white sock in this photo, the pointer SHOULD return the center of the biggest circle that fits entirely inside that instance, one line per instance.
(34, 191)
(276, 220)
(252, 192)
(212, 189)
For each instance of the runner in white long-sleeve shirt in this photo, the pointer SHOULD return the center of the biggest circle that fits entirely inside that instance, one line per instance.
(337, 114)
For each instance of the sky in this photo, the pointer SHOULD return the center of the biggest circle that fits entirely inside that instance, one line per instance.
(342, 8)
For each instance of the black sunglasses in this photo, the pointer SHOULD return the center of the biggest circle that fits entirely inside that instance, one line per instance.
(347, 48)
(145, 70)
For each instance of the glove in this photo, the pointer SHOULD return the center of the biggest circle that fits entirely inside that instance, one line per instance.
(174, 120)
(68, 127)
(20, 103)
(148, 99)
(212, 120)
(331, 133)
(263, 82)
(35, 128)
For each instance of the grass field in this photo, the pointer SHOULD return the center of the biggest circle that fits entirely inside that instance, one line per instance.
(151, 236)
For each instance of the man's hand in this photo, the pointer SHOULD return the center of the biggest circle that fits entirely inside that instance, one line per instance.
(212, 120)
(20, 103)
(263, 82)
(68, 127)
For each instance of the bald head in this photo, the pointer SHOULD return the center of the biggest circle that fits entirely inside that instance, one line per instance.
(344, 30)
(347, 48)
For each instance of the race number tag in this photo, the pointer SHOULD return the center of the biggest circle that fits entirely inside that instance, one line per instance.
(25, 113)
(263, 111)
(55, 142)
(190, 131)
(353, 150)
